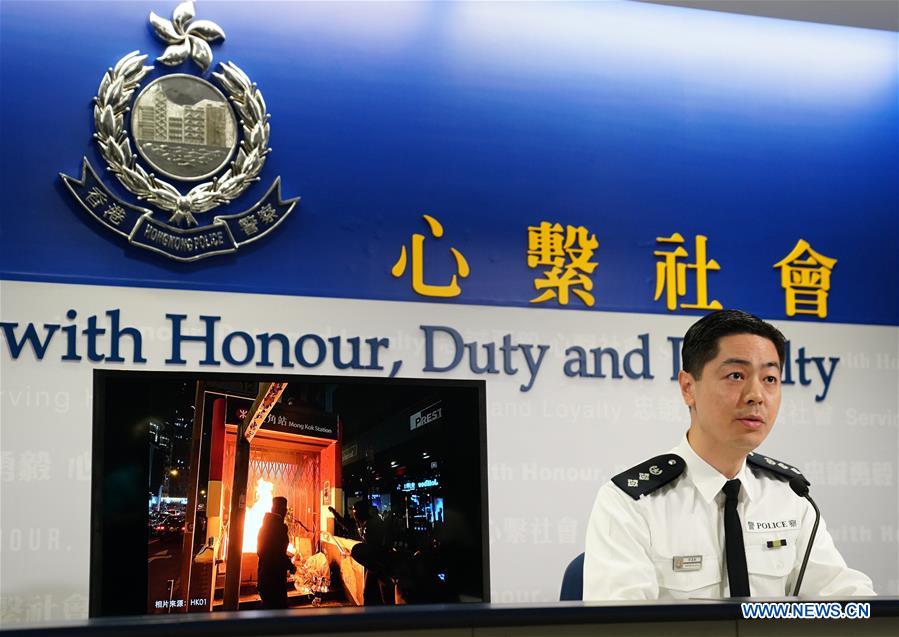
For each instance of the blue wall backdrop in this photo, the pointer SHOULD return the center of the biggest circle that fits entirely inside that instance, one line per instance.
(634, 121)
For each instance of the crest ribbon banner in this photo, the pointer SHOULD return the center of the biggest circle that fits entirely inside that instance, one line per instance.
(225, 234)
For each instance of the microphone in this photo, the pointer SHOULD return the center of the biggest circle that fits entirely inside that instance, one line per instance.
(800, 488)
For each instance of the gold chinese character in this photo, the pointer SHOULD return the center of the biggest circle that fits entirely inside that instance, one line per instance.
(805, 275)
(568, 254)
(545, 245)
(418, 283)
(671, 275)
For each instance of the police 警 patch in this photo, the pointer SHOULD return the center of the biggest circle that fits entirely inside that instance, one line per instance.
(776, 467)
(649, 476)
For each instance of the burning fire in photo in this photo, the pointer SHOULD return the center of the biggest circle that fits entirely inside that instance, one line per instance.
(253, 519)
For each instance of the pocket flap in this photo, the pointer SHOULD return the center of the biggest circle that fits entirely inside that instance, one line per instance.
(774, 562)
(708, 574)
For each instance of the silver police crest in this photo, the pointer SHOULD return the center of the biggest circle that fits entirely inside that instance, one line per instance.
(186, 129)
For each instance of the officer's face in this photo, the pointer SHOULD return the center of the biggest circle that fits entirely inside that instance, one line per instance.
(734, 403)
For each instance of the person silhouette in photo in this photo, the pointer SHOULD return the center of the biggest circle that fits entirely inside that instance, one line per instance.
(373, 554)
(344, 527)
(274, 563)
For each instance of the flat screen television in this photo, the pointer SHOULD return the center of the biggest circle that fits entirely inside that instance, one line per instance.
(384, 481)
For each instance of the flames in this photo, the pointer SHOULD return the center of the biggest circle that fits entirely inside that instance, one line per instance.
(253, 518)
(252, 521)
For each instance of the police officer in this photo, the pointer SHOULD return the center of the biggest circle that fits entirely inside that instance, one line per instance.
(712, 518)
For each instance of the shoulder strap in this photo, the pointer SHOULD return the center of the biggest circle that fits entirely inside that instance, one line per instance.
(648, 476)
(776, 467)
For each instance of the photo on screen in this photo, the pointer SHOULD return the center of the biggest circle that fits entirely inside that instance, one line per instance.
(379, 483)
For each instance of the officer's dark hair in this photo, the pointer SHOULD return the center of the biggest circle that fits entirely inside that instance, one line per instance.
(701, 340)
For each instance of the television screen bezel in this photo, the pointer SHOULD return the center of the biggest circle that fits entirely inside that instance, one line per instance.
(100, 378)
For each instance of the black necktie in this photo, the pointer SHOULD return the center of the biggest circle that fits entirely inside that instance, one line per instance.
(737, 575)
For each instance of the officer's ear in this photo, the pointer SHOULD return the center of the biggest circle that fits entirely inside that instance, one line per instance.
(687, 388)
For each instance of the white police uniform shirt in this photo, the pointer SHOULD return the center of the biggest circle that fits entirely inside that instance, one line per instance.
(669, 544)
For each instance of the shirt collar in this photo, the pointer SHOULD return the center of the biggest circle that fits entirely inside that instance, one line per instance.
(706, 478)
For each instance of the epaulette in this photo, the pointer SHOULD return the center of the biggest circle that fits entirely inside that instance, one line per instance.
(648, 476)
(776, 467)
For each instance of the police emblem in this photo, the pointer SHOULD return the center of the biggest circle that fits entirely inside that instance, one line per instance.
(186, 129)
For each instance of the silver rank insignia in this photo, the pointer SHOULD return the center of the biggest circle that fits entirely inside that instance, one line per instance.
(186, 129)
(647, 477)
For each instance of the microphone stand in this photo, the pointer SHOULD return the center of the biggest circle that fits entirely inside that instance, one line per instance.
(800, 488)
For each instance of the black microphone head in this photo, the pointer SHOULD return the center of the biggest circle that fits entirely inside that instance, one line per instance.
(799, 486)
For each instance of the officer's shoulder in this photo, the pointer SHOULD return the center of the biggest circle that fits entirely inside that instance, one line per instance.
(649, 476)
(773, 468)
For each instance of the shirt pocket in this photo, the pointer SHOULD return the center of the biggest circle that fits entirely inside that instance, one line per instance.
(682, 581)
(775, 563)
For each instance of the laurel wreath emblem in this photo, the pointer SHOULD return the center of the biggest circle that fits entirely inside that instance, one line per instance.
(112, 103)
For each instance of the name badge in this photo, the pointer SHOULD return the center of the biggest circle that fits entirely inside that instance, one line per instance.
(687, 563)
